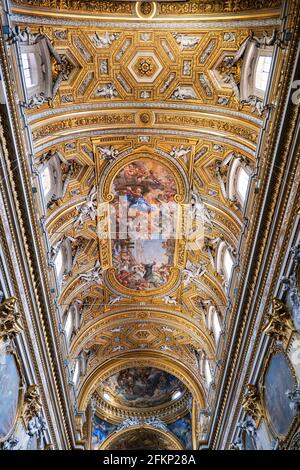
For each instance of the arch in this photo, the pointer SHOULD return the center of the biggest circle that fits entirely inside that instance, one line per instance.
(145, 359)
(237, 189)
(168, 436)
(111, 171)
(225, 261)
(213, 322)
(161, 317)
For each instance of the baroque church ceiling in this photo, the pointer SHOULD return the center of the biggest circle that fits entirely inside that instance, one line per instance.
(145, 111)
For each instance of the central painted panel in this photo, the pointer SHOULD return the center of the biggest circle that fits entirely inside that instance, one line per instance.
(144, 212)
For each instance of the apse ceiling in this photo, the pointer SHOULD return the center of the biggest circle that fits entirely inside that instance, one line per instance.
(145, 117)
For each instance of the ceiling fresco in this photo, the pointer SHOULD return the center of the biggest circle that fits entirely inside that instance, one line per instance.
(142, 388)
(182, 428)
(143, 257)
(144, 126)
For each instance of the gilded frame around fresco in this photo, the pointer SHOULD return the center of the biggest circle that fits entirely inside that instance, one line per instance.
(105, 183)
(10, 349)
(274, 350)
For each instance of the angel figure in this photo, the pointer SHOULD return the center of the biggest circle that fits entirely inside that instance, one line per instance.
(104, 41)
(230, 80)
(199, 209)
(87, 210)
(178, 152)
(107, 91)
(256, 104)
(94, 276)
(108, 153)
(115, 300)
(169, 301)
(192, 273)
(184, 93)
(186, 42)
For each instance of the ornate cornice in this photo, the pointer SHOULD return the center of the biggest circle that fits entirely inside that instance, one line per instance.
(19, 193)
(168, 412)
(192, 8)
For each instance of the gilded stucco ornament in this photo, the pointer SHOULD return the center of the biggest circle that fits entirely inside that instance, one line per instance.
(278, 323)
(233, 71)
(62, 67)
(10, 325)
(252, 403)
(32, 404)
(65, 124)
(292, 288)
(165, 9)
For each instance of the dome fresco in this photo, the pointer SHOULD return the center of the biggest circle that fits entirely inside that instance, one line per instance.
(141, 387)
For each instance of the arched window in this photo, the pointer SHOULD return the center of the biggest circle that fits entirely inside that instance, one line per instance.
(207, 372)
(213, 322)
(36, 63)
(69, 325)
(225, 261)
(242, 183)
(59, 263)
(76, 373)
(262, 72)
(30, 69)
(227, 264)
(216, 326)
(46, 180)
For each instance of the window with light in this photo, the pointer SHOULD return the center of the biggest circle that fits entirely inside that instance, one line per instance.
(227, 264)
(216, 325)
(207, 372)
(76, 373)
(29, 69)
(69, 325)
(262, 72)
(59, 263)
(46, 181)
(242, 183)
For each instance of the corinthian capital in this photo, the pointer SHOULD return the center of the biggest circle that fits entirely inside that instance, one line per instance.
(9, 319)
(252, 403)
(33, 404)
(279, 323)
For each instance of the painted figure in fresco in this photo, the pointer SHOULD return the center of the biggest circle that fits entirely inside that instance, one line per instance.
(151, 276)
(9, 392)
(101, 429)
(99, 432)
(182, 429)
(137, 201)
(142, 386)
